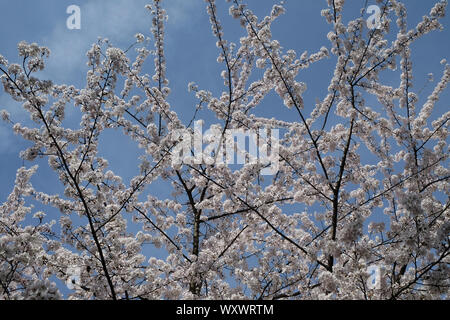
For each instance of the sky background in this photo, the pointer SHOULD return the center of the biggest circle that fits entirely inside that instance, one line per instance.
(190, 54)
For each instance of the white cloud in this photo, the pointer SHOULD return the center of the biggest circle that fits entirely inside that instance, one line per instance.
(182, 12)
(118, 20)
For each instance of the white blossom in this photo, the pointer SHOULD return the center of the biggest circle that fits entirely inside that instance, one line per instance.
(139, 37)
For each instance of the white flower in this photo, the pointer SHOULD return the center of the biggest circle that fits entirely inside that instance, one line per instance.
(260, 63)
(14, 68)
(140, 37)
(5, 115)
(3, 61)
(39, 215)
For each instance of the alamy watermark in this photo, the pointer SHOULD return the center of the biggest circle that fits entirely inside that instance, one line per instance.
(231, 146)
(74, 20)
(374, 280)
(374, 21)
(73, 277)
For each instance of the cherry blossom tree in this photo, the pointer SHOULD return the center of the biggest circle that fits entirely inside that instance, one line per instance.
(357, 188)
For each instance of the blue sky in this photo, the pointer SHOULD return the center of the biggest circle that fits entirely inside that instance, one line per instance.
(191, 56)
